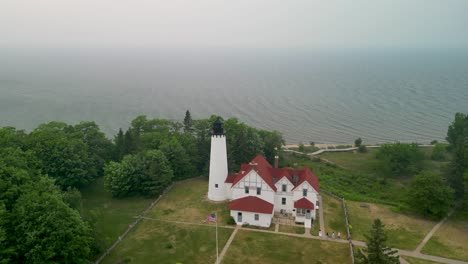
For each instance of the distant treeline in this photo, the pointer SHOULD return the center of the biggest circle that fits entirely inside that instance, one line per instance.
(42, 172)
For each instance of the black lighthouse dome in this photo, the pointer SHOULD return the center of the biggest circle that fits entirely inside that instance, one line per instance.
(218, 129)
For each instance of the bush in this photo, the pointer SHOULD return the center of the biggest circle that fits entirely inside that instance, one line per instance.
(358, 142)
(433, 142)
(362, 149)
(429, 195)
(438, 152)
(400, 159)
(231, 221)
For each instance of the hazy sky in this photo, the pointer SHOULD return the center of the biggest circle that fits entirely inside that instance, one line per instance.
(235, 23)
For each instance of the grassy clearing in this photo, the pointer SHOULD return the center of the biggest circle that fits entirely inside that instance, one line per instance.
(259, 248)
(187, 202)
(333, 216)
(451, 240)
(418, 261)
(404, 231)
(292, 229)
(110, 216)
(162, 242)
(355, 161)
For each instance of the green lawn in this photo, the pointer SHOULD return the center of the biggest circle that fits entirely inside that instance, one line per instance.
(333, 216)
(110, 216)
(163, 242)
(418, 261)
(291, 229)
(451, 239)
(267, 248)
(404, 231)
(187, 202)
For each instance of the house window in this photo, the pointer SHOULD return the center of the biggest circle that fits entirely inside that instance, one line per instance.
(246, 188)
(216, 185)
(259, 190)
(283, 201)
(304, 192)
(256, 217)
(283, 188)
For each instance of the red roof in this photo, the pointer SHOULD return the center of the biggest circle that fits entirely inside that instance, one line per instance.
(271, 175)
(251, 204)
(262, 168)
(304, 204)
(230, 178)
(305, 175)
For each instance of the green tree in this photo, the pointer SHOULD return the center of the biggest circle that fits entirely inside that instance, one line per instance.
(64, 157)
(377, 252)
(301, 148)
(46, 229)
(438, 152)
(119, 142)
(429, 196)
(178, 159)
(147, 173)
(358, 142)
(400, 159)
(188, 122)
(457, 136)
(100, 148)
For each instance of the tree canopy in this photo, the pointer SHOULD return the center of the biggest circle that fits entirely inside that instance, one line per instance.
(400, 159)
(429, 195)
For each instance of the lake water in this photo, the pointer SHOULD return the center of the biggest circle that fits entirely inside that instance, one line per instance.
(331, 97)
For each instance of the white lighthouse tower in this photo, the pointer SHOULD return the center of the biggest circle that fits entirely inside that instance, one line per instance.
(218, 163)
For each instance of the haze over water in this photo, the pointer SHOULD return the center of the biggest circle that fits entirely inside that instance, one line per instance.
(327, 96)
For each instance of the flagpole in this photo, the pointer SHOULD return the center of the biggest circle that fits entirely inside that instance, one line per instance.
(217, 256)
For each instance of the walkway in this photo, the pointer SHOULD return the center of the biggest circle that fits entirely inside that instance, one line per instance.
(228, 244)
(433, 230)
(322, 222)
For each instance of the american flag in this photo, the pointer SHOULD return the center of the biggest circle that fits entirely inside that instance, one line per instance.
(211, 218)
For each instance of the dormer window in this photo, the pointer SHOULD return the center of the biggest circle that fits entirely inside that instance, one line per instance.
(259, 190)
(246, 189)
(284, 188)
(304, 192)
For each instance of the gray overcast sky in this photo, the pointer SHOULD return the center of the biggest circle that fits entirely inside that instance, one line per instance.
(234, 23)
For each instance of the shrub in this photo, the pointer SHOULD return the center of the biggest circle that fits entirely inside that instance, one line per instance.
(438, 152)
(362, 148)
(433, 142)
(231, 221)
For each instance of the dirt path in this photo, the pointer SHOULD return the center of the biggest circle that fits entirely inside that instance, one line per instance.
(433, 230)
(228, 244)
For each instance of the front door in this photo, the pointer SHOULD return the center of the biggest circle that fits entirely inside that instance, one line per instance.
(308, 214)
(239, 217)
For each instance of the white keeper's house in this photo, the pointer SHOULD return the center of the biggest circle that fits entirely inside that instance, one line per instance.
(259, 190)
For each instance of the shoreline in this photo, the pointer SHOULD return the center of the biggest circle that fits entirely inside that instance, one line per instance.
(351, 145)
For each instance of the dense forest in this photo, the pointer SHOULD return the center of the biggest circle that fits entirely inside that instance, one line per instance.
(42, 173)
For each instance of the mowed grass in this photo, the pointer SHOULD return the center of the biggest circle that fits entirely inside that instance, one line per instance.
(451, 239)
(404, 231)
(269, 248)
(110, 216)
(164, 242)
(333, 216)
(187, 202)
(291, 229)
(418, 261)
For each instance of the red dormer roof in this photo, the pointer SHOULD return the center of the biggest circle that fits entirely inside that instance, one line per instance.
(305, 175)
(251, 204)
(230, 178)
(262, 169)
(304, 204)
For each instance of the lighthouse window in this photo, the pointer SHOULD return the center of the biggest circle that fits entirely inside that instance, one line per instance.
(216, 185)
(246, 188)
